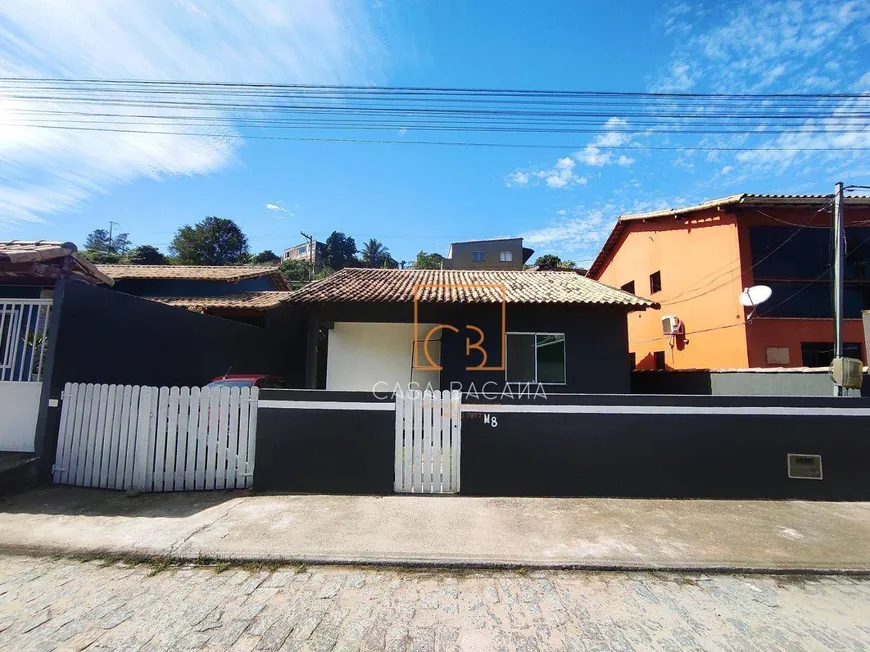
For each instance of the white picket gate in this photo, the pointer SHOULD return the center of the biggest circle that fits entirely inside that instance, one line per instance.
(428, 435)
(156, 438)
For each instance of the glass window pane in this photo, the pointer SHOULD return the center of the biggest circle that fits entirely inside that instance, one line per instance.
(521, 358)
(551, 358)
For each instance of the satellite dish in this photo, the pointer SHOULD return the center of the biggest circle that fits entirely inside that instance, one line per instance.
(755, 296)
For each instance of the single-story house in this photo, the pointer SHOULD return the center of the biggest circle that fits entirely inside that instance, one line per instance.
(241, 292)
(375, 329)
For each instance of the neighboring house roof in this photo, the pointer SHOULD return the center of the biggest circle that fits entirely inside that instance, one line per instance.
(27, 258)
(258, 300)
(226, 273)
(743, 199)
(458, 286)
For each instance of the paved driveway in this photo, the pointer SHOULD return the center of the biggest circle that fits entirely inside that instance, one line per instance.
(50, 604)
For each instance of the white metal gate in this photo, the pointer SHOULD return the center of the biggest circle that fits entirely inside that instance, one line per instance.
(156, 438)
(428, 436)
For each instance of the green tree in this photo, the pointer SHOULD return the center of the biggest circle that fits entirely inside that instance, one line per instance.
(99, 258)
(214, 241)
(374, 253)
(145, 255)
(296, 271)
(340, 251)
(551, 261)
(267, 256)
(428, 261)
(101, 248)
(323, 273)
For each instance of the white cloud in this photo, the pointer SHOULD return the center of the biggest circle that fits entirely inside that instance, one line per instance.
(561, 175)
(598, 152)
(763, 42)
(278, 208)
(44, 171)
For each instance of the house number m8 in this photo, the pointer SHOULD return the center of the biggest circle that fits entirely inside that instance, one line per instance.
(492, 420)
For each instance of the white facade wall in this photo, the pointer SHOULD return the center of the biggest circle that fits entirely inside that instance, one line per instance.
(363, 355)
(19, 407)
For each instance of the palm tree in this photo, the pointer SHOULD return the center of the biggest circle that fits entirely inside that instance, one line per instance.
(374, 253)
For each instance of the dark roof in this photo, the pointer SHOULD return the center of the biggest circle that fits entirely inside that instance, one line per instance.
(22, 252)
(227, 273)
(744, 199)
(463, 286)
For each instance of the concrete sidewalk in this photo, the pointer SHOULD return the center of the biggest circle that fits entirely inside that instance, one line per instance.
(594, 533)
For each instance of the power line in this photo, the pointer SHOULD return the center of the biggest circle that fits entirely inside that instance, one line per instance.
(633, 147)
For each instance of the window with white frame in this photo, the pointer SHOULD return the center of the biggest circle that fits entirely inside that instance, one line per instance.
(536, 358)
(506, 256)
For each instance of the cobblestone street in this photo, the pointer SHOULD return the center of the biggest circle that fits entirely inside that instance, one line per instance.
(48, 604)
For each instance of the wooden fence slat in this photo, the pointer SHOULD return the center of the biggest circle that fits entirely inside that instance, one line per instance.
(456, 438)
(427, 441)
(114, 434)
(84, 434)
(252, 438)
(229, 481)
(437, 486)
(397, 454)
(244, 424)
(133, 428)
(418, 442)
(90, 445)
(101, 476)
(446, 448)
(92, 475)
(168, 479)
(143, 459)
(78, 434)
(205, 412)
(221, 439)
(211, 437)
(407, 440)
(123, 432)
(61, 458)
(192, 439)
(181, 438)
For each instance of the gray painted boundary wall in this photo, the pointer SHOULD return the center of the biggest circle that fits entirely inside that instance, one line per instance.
(814, 382)
(578, 445)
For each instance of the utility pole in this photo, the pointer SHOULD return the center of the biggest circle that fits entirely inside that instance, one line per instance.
(111, 227)
(838, 276)
(311, 255)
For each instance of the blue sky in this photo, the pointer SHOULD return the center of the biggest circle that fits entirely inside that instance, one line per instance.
(62, 185)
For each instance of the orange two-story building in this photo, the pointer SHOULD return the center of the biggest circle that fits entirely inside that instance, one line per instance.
(695, 262)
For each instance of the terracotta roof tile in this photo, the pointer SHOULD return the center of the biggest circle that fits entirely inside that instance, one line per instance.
(228, 273)
(463, 286)
(17, 252)
(261, 300)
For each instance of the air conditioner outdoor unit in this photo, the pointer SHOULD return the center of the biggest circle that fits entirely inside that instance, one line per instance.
(671, 325)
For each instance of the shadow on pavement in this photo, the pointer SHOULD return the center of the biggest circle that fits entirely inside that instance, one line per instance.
(81, 501)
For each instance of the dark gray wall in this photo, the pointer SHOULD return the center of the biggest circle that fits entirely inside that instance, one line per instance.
(673, 451)
(104, 336)
(737, 383)
(323, 450)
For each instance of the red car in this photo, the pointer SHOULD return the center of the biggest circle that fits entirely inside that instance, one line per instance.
(263, 381)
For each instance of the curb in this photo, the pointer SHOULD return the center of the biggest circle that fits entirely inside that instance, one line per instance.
(207, 559)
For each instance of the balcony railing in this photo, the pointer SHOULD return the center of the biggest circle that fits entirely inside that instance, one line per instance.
(23, 338)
